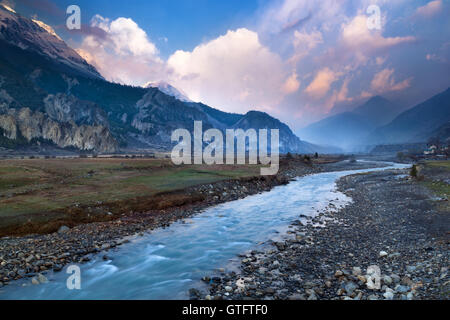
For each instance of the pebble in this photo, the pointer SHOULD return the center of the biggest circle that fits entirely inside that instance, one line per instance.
(382, 254)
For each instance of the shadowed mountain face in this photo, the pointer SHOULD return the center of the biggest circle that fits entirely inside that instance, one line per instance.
(49, 93)
(417, 124)
(350, 129)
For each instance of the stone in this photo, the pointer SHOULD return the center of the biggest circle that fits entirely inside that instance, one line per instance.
(387, 280)
(411, 269)
(383, 254)
(395, 277)
(350, 287)
(63, 229)
(35, 281)
(296, 296)
(312, 296)
(401, 289)
(362, 279)
(356, 271)
(228, 289)
(338, 274)
(42, 278)
(388, 295)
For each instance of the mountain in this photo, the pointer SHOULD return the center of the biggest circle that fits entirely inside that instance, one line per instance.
(288, 142)
(169, 90)
(378, 110)
(442, 133)
(37, 37)
(417, 124)
(49, 94)
(349, 129)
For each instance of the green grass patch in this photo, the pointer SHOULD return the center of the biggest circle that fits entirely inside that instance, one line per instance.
(36, 186)
(439, 164)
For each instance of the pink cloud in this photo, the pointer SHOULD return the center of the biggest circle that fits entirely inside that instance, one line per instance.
(384, 81)
(321, 83)
(430, 9)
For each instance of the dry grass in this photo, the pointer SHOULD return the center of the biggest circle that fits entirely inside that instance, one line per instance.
(39, 195)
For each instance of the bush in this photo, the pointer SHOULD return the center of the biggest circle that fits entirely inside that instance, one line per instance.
(413, 172)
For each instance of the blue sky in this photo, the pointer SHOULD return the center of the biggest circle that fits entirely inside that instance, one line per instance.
(299, 60)
(185, 22)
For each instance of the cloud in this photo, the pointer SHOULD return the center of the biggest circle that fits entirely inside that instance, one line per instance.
(304, 42)
(430, 9)
(435, 57)
(357, 36)
(234, 71)
(384, 81)
(292, 84)
(121, 51)
(321, 84)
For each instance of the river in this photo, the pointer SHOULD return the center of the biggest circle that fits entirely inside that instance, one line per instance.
(165, 263)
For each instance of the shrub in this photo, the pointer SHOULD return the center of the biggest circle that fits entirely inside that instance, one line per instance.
(413, 171)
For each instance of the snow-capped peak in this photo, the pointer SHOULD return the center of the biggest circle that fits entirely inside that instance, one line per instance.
(46, 27)
(36, 36)
(169, 90)
(8, 8)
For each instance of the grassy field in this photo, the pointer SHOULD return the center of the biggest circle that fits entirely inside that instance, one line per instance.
(438, 168)
(43, 190)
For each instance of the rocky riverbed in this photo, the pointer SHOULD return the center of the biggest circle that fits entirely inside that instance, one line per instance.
(391, 243)
(31, 257)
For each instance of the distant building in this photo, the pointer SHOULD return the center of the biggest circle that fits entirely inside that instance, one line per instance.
(432, 150)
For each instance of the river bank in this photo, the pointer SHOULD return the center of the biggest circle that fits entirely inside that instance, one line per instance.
(394, 224)
(30, 257)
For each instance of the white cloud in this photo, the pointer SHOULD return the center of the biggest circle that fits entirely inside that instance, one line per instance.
(304, 42)
(355, 35)
(125, 54)
(430, 9)
(234, 71)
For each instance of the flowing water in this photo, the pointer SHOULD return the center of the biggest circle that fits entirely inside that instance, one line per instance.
(165, 263)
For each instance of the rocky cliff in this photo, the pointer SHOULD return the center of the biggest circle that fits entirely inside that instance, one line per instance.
(24, 123)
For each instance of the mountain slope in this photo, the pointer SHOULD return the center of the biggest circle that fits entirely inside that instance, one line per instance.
(350, 129)
(289, 142)
(169, 90)
(36, 36)
(378, 110)
(416, 124)
(49, 93)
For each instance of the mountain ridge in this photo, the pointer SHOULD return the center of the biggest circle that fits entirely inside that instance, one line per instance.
(416, 124)
(69, 93)
(349, 129)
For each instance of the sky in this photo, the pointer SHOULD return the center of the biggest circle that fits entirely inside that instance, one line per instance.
(298, 60)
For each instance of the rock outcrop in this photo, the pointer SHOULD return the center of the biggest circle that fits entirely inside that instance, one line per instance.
(17, 123)
(65, 108)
